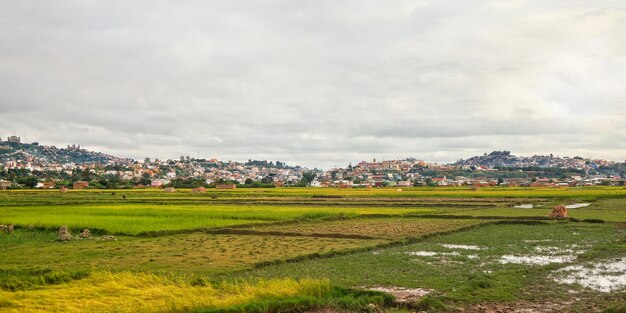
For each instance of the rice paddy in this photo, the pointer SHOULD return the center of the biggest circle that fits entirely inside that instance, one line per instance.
(300, 249)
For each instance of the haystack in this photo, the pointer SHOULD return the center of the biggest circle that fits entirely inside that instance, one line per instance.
(64, 234)
(559, 211)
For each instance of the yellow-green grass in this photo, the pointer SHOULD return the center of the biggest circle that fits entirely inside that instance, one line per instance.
(140, 292)
(610, 210)
(388, 228)
(134, 218)
(509, 192)
(601, 214)
(195, 252)
(465, 267)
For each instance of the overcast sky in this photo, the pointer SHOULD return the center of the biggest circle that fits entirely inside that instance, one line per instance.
(317, 83)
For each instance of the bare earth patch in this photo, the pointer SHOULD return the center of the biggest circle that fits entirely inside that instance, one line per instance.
(516, 307)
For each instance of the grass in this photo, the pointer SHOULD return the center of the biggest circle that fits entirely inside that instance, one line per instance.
(33, 197)
(195, 252)
(136, 218)
(104, 291)
(611, 210)
(133, 292)
(13, 280)
(387, 228)
(462, 279)
(299, 249)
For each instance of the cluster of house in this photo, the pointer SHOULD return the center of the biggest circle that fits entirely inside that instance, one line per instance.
(392, 181)
(214, 171)
(410, 172)
(574, 181)
(393, 173)
(161, 173)
(496, 159)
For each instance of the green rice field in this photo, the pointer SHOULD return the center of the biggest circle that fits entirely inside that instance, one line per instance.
(315, 250)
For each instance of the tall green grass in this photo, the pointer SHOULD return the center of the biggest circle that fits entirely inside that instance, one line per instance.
(134, 218)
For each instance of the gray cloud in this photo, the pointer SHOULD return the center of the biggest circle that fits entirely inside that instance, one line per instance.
(318, 83)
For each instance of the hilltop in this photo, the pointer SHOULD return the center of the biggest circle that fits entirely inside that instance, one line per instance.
(15, 151)
(506, 159)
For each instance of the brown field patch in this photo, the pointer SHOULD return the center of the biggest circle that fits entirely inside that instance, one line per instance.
(385, 228)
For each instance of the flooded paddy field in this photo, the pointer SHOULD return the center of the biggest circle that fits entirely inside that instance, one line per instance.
(308, 249)
(566, 264)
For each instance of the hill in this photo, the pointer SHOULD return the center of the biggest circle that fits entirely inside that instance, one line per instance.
(33, 152)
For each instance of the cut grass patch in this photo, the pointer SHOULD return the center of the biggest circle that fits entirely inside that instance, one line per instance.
(388, 228)
(196, 252)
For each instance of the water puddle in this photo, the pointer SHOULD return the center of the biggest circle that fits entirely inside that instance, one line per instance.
(605, 277)
(462, 247)
(524, 206)
(568, 250)
(422, 253)
(536, 259)
(432, 253)
(577, 205)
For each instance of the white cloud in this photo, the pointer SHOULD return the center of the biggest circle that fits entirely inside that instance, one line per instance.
(317, 83)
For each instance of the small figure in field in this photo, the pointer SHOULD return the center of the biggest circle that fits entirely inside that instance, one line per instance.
(113, 193)
(64, 189)
(64, 234)
(123, 197)
(474, 188)
(559, 211)
(85, 234)
(10, 228)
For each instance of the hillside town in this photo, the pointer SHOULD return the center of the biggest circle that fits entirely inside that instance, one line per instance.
(32, 165)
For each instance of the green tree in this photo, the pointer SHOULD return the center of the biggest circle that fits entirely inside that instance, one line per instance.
(31, 182)
(308, 176)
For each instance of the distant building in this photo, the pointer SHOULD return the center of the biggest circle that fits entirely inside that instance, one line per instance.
(80, 185)
(4, 184)
(618, 182)
(226, 186)
(404, 184)
(13, 139)
(157, 183)
(48, 185)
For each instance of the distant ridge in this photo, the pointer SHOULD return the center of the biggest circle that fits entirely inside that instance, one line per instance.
(14, 150)
(34, 152)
